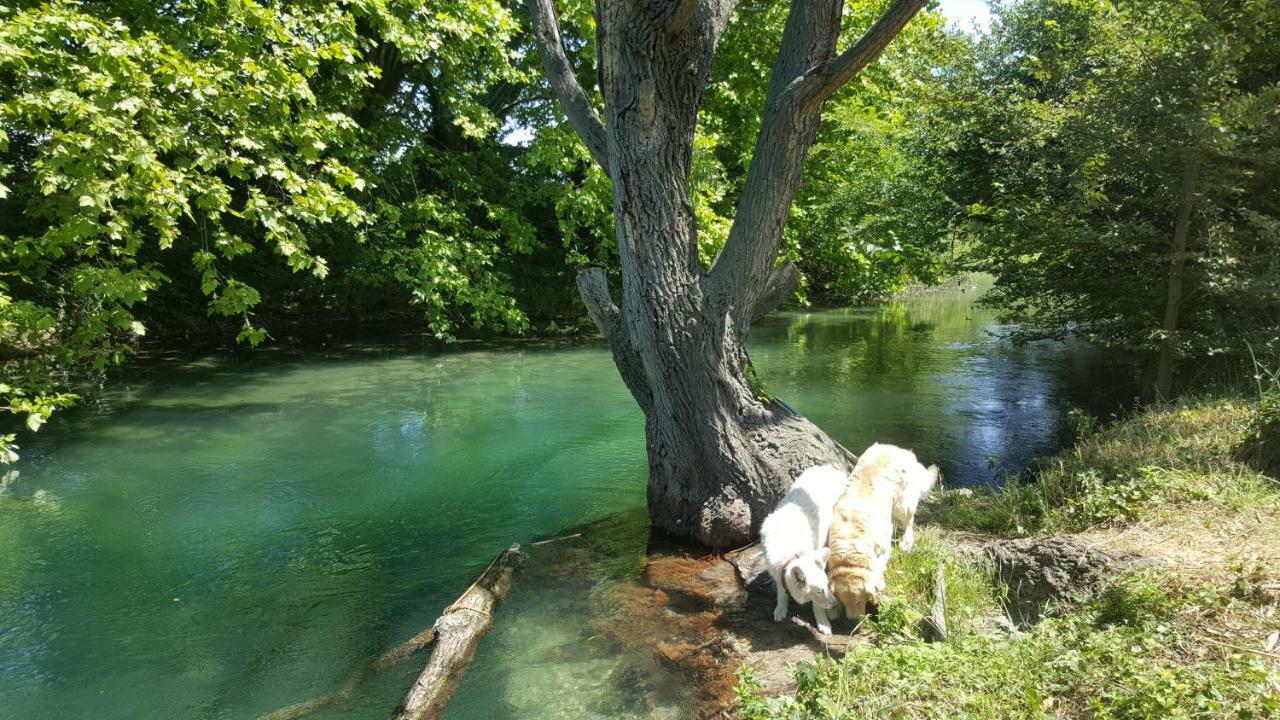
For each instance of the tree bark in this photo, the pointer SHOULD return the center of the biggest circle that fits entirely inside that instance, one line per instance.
(1174, 288)
(719, 457)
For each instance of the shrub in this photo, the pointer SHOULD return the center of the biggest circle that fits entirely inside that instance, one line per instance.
(1102, 501)
(1261, 447)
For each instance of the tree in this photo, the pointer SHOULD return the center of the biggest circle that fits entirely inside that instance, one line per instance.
(223, 169)
(720, 455)
(864, 235)
(1120, 164)
(855, 236)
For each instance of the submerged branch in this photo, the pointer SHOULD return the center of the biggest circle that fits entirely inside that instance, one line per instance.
(343, 694)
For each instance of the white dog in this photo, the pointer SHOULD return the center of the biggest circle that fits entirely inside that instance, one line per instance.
(884, 490)
(793, 537)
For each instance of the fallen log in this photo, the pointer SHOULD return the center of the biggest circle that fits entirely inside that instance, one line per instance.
(502, 564)
(343, 694)
(457, 634)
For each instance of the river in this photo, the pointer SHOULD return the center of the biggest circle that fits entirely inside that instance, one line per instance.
(218, 539)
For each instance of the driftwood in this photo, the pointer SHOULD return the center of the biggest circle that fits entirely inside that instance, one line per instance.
(935, 626)
(457, 634)
(477, 600)
(346, 691)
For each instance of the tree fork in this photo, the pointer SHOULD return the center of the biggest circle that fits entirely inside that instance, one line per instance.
(719, 457)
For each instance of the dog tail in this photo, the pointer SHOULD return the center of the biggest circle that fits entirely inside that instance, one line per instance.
(933, 475)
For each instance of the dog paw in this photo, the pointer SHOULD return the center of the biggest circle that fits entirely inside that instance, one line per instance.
(779, 614)
(824, 628)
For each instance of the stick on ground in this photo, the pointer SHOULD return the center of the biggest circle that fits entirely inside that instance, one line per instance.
(935, 625)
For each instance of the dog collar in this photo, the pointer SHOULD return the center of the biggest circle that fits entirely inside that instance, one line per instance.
(782, 571)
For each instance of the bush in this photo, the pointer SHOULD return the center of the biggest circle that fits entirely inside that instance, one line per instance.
(1261, 447)
(1101, 501)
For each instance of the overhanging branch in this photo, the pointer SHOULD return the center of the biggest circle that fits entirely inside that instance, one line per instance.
(781, 285)
(593, 286)
(559, 71)
(829, 77)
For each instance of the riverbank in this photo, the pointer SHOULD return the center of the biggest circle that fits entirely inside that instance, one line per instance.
(1141, 578)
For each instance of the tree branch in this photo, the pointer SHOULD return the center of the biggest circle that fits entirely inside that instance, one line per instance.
(824, 80)
(806, 73)
(564, 82)
(593, 286)
(780, 287)
(722, 11)
(787, 130)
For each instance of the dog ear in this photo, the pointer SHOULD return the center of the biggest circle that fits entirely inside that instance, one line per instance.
(797, 574)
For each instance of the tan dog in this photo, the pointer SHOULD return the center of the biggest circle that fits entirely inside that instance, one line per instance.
(884, 489)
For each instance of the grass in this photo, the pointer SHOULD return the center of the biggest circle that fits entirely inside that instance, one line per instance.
(970, 595)
(1179, 634)
(1175, 456)
(1131, 654)
(1261, 447)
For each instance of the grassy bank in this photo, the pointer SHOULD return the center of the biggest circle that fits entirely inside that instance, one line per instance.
(1183, 627)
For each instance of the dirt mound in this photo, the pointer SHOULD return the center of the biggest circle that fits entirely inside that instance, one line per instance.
(1041, 572)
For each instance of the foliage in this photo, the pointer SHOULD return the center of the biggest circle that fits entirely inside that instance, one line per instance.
(257, 167)
(869, 217)
(205, 167)
(1076, 132)
(1131, 654)
(873, 214)
(1261, 445)
(114, 139)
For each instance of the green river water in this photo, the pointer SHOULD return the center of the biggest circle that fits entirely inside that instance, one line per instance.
(223, 538)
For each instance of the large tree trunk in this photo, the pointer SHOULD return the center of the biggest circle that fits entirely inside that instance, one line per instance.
(719, 457)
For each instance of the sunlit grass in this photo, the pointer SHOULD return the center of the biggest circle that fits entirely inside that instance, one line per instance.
(1160, 458)
(911, 578)
(1134, 652)
(1181, 638)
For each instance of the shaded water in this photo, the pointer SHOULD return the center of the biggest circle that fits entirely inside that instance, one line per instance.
(221, 539)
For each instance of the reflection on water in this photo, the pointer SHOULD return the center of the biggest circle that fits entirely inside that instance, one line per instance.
(221, 539)
(935, 373)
